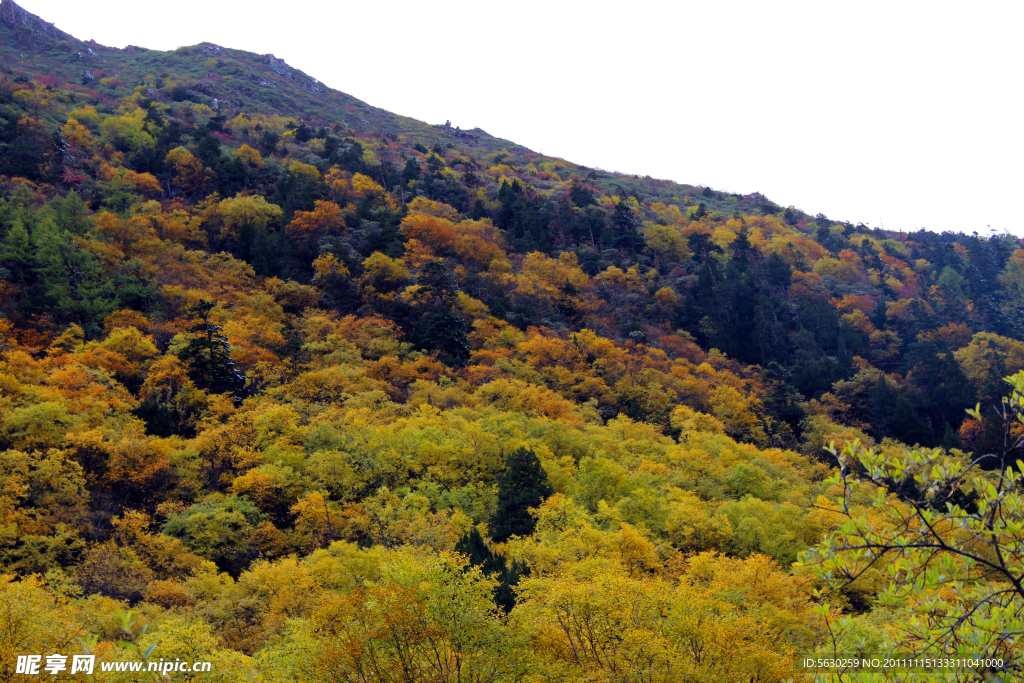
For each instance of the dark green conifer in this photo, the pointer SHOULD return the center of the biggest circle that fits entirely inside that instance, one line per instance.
(72, 281)
(473, 546)
(523, 485)
(878, 318)
(440, 328)
(411, 170)
(17, 254)
(208, 356)
(625, 229)
(504, 595)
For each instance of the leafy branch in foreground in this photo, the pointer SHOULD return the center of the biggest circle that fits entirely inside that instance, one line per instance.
(946, 537)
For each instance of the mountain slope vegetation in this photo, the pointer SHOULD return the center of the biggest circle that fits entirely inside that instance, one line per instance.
(316, 391)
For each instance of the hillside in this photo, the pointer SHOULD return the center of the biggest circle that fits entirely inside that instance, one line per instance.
(317, 391)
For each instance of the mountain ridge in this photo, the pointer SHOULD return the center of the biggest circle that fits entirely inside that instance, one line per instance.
(267, 71)
(69, 58)
(315, 392)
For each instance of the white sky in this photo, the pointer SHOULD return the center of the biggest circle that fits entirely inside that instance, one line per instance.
(904, 114)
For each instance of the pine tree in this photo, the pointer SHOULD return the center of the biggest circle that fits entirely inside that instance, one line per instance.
(440, 328)
(580, 196)
(522, 486)
(907, 426)
(411, 171)
(135, 289)
(72, 281)
(625, 233)
(504, 596)
(208, 356)
(883, 403)
(956, 393)
(782, 401)
(879, 318)
(950, 439)
(16, 254)
(472, 545)
(71, 213)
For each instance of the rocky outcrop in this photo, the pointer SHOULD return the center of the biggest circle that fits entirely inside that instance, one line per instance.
(459, 133)
(27, 26)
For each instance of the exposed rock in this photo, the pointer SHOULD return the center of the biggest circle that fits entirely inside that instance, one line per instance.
(28, 27)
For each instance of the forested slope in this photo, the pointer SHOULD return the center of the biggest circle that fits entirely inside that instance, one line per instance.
(318, 391)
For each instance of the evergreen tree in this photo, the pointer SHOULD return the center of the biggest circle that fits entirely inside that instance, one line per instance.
(504, 596)
(411, 170)
(523, 485)
(883, 404)
(208, 356)
(777, 272)
(782, 401)
(957, 392)
(439, 328)
(473, 546)
(71, 213)
(907, 426)
(445, 332)
(479, 210)
(741, 250)
(17, 255)
(303, 134)
(72, 281)
(950, 439)
(878, 317)
(941, 390)
(506, 196)
(580, 195)
(136, 289)
(435, 164)
(625, 233)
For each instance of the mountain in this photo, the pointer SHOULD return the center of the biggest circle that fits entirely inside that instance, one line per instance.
(236, 81)
(321, 392)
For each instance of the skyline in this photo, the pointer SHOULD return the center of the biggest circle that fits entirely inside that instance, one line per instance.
(904, 123)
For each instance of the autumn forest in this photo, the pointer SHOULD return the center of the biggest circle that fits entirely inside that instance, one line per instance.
(316, 392)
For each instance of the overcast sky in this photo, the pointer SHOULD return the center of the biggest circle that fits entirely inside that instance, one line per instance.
(901, 114)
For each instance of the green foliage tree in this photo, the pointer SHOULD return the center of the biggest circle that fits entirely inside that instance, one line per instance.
(229, 531)
(580, 195)
(523, 485)
(782, 402)
(17, 255)
(949, 548)
(208, 355)
(72, 280)
(440, 328)
(71, 213)
(411, 171)
(135, 288)
(625, 229)
(473, 546)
